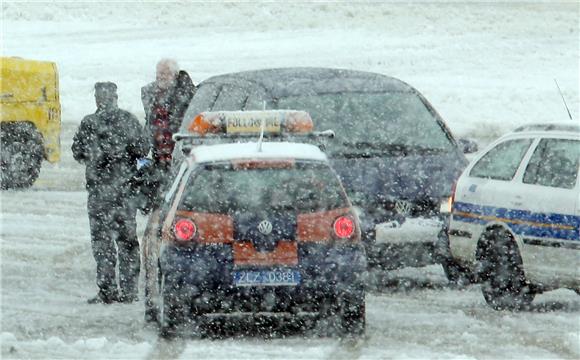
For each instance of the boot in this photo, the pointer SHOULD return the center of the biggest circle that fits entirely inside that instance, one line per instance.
(104, 297)
(128, 298)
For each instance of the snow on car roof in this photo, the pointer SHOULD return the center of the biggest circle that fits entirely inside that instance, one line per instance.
(249, 150)
(556, 126)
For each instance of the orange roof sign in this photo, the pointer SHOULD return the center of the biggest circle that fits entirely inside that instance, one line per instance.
(251, 122)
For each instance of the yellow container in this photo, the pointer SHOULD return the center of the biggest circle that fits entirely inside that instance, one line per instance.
(29, 94)
(29, 119)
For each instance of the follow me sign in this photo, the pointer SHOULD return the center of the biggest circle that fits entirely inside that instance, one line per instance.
(250, 123)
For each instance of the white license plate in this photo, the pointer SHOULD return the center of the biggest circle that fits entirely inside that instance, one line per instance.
(267, 278)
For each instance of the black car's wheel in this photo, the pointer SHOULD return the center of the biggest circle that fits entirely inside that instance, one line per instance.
(21, 155)
(352, 314)
(457, 274)
(175, 310)
(152, 298)
(153, 276)
(504, 286)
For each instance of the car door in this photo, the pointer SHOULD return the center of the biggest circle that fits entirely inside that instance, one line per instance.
(491, 177)
(548, 191)
(484, 196)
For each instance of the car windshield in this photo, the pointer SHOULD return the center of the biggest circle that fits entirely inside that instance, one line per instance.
(227, 189)
(375, 119)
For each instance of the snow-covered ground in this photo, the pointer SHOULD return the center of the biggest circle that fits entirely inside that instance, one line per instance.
(486, 67)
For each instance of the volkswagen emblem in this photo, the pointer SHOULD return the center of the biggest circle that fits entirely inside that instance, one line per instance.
(265, 227)
(403, 207)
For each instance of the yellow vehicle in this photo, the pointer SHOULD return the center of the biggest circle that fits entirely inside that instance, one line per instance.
(29, 119)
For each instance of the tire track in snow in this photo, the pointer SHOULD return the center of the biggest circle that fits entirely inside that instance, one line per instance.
(166, 349)
(349, 348)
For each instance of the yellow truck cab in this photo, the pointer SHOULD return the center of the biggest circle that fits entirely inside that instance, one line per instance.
(29, 119)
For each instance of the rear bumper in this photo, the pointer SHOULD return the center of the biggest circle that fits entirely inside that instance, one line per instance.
(205, 275)
(416, 243)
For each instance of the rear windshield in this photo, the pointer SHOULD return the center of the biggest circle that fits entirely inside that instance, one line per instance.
(224, 189)
(393, 118)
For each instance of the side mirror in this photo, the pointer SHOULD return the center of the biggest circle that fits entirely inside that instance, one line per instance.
(468, 146)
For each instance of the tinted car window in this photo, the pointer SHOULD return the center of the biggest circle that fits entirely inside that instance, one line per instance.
(394, 118)
(231, 98)
(204, 98)
(501, 162)
(554, 163)
(224, 189)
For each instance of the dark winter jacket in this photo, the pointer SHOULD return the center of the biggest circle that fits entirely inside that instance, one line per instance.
(109, 142)
(164, 111)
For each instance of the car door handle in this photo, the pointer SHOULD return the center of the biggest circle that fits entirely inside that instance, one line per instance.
(517, 203)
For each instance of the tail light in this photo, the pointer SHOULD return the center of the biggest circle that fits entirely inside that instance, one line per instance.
(447, 204)
(344, 227)
(453, 188)
(184, 230)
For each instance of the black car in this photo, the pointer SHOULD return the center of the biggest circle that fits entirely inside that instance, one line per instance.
(393, 152)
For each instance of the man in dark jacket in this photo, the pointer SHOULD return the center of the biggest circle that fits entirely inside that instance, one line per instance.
(109, 142)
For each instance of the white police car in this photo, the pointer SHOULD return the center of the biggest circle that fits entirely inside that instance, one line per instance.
(515, 221)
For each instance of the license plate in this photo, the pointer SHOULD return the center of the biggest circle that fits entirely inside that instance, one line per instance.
(267, 278)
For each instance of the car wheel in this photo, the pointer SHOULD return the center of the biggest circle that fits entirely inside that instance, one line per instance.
(353, 314)
(174, 310)
(153, 275)
(152, 298)
(21, 156)
(504, 286)
(457, 274)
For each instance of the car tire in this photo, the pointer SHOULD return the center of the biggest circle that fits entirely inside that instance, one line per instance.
(21, 155)
(352, 312)
(457, 274)
(153, 275)
(152, 298)
(504, 286)
(174, 310)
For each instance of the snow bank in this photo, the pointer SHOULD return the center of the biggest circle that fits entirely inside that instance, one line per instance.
(54, 347)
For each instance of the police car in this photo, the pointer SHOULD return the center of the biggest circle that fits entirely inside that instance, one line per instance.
(515, 221)
(258, 225)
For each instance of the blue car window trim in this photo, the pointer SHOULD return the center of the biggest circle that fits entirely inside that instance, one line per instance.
(521, 222)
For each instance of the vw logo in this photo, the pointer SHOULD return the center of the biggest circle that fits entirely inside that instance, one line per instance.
(403, 207)
(265, 227)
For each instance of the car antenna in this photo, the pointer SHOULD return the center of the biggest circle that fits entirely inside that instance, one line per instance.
(564, 100)
(262, 128)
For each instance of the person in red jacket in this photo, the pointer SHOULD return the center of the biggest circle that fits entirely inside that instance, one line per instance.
(165, 101)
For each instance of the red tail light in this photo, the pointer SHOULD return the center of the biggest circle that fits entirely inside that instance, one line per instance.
(344, 227)
(453, 188)
(184, 230)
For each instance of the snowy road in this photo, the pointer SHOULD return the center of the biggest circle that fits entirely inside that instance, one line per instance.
(486, 67)
(48, 272)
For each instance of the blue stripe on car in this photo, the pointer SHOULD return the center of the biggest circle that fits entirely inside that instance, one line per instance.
(521, 222)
